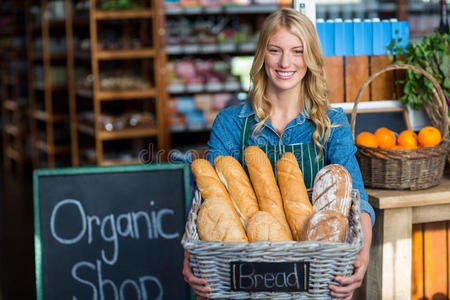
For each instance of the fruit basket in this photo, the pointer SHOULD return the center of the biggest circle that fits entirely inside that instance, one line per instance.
(413, 169)
(213, 260)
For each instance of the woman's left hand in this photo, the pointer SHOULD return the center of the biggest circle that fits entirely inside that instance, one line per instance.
(350, 284)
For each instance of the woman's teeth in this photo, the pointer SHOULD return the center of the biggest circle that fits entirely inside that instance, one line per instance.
(285, 74)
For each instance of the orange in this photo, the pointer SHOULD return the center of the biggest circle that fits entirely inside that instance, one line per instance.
(407, 139)
(386, 138)
(429, 136)
(367, 139)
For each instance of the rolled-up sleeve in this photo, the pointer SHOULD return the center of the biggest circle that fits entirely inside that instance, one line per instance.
(218, 143)
(340, 149)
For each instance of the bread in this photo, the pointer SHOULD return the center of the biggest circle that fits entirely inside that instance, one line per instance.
(238, 185)
(216, 222)
(332, 190)
(264, 184)
(217, 219)
(262, 226)
(326, 226)
(296, 203)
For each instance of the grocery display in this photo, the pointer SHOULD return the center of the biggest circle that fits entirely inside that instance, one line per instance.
(13, 95)
(208, 62)
(122, 104)
(49, 60)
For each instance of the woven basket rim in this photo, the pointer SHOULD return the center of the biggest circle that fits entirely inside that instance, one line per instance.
(358, 242)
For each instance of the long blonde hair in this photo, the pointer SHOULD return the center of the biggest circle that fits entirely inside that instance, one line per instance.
(314, 90)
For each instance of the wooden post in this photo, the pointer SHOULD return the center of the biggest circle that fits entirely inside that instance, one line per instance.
(356, 72)
(382, 87)
(335, 78)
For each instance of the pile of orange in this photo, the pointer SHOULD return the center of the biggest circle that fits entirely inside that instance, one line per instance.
(384, 138)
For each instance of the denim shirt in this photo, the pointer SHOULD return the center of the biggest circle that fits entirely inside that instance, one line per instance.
(339, 148)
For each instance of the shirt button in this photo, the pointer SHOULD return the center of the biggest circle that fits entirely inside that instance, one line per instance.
(285, 135)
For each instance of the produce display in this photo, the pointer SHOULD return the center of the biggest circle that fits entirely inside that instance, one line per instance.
(384, 138)
(241, 209)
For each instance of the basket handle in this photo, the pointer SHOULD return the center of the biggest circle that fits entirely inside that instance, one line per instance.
(437, 91)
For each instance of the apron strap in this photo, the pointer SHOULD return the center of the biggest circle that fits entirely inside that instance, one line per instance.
(245, 134)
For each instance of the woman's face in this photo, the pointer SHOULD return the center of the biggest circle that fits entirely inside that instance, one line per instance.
(284, 64)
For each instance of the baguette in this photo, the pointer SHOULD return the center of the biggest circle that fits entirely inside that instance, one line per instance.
(332, 190)
(262, 226)
(326, 226)
(296, 203)
(238, 185)
(263, 181)
(217, 219)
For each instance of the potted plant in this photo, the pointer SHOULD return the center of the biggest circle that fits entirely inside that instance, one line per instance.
(433, 55)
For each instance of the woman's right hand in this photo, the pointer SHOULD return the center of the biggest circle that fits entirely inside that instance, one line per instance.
(198, 284)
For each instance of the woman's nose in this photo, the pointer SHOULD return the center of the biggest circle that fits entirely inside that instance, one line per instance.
(284, 60)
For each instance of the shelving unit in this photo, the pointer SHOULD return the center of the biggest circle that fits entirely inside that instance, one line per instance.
(200, 62)
(13, 83)
(149, 100)
(49, 73)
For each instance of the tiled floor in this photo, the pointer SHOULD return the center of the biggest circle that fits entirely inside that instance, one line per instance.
(16, 238)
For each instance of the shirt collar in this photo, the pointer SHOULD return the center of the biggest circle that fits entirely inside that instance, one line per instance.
(246, 110)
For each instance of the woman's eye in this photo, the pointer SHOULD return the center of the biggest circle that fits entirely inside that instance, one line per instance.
(273, 50)
(298, 51)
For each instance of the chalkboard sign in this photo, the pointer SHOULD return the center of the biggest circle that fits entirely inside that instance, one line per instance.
(270, 276)
(110, 232)
(371, 121)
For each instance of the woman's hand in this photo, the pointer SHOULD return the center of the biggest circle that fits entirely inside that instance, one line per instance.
(198, 284)
(350, 284)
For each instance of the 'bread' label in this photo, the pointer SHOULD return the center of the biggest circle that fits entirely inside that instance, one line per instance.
(270, 276)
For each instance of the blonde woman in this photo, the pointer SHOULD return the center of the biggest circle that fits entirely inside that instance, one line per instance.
(287, 110)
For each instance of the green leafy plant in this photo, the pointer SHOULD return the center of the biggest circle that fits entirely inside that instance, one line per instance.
(431, 54)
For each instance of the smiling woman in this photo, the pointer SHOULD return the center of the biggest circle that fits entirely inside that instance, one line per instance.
(287, 111)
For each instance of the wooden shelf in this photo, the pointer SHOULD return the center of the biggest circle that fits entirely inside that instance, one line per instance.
(129, 94)
(115, 162)
(44, 116)
(127, 133)
(123, 14)
(126, 54)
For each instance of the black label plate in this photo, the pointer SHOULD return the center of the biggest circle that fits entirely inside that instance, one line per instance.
(270, 276)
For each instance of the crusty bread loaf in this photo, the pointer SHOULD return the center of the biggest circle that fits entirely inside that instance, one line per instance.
(264, 184)
(211, 188)
(332, 190)
(238, 185)
(216, 222)
(326, 226)
(262, 226)
(296, 203)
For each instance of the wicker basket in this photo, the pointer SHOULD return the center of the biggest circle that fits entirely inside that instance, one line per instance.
(211, 260)
(404, 169)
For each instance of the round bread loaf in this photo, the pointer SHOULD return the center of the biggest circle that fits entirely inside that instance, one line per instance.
(262, 226)
(326, 226)
(332, 189)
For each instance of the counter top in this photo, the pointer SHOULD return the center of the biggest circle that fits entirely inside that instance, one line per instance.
(385, 199)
